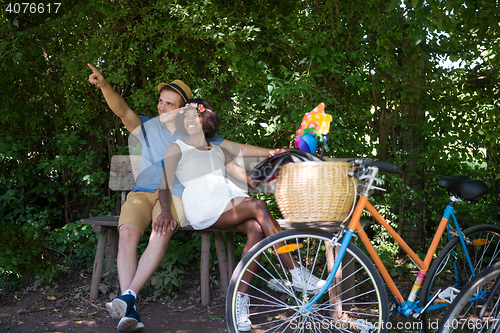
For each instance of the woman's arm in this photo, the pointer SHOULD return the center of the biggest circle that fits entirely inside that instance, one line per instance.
(236, 171)
(172, 158)
(235, 148)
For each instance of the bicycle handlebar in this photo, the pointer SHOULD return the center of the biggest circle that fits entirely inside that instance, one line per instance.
(382, 166)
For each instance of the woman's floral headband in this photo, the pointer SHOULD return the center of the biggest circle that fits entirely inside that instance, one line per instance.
(200, 107)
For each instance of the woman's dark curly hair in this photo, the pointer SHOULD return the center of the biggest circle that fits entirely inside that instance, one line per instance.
(210, 121)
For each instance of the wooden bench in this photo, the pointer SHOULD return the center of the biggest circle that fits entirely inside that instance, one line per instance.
(123, 174)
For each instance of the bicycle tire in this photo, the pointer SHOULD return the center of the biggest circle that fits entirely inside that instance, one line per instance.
(463, 315)
(363, 300)
(441, 274)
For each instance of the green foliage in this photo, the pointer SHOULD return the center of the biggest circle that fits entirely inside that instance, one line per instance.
(169, 273)
(182, 252)
(73, 246)
(21, 241)
(378, 66)
(31, 251)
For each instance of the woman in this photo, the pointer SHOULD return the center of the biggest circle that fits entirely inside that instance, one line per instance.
(210, 199)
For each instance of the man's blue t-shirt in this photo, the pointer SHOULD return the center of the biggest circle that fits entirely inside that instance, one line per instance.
(155, 139)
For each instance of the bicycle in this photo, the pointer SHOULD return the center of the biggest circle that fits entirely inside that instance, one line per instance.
(477, 307)
(354, 298)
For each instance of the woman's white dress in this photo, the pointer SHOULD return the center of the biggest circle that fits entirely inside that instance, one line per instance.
(207, 191)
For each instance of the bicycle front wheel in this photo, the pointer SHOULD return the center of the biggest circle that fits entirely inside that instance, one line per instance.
(482, 315)
(355, 301)
(451, 268)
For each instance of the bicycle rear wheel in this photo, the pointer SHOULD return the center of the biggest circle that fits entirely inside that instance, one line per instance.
(355, 301)
(465, 316)
(451, 269)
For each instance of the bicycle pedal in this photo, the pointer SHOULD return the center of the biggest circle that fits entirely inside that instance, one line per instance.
(448, 295)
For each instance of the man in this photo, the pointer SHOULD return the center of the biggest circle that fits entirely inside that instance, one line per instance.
(142, 205)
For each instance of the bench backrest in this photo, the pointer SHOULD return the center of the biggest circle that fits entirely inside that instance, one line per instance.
(126, 168)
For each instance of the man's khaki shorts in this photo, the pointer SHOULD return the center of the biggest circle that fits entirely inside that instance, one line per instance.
(142, 208)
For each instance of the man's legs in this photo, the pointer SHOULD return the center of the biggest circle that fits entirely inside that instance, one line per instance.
(126, 261)
(135, 218)
(137, 212)
(150, 260)
(157, 245)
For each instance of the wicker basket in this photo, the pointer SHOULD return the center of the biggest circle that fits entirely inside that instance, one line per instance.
(314, 191)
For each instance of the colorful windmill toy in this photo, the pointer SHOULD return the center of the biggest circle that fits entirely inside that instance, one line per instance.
(314, 127)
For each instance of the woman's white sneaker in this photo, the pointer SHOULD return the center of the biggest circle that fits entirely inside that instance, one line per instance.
(243, 312)
(304, 281)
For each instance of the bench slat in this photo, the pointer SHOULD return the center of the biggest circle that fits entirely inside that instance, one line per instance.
(332, 226)
(124, 172)
(104, 220)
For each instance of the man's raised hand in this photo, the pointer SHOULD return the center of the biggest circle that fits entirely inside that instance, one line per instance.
(96, 77)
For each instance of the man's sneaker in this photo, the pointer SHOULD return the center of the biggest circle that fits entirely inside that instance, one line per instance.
(304, 281)
(120, 306)
(130, 323)
(281, 285)
(243, 312)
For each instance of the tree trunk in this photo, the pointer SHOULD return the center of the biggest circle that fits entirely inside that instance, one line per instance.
(411, 225)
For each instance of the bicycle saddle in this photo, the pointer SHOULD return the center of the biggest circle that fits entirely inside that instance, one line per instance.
(265, 171)
(464, 187)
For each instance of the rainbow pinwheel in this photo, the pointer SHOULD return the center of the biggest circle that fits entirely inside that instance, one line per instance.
(314, 127)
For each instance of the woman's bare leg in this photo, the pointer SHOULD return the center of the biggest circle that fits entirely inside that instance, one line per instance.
(248, 209)
(254, 233)
(251, 209)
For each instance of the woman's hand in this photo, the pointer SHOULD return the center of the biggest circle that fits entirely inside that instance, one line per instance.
(250, 181)
(162, 223)
(275, 152)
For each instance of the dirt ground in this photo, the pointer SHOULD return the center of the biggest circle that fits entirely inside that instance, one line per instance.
(68, 308)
